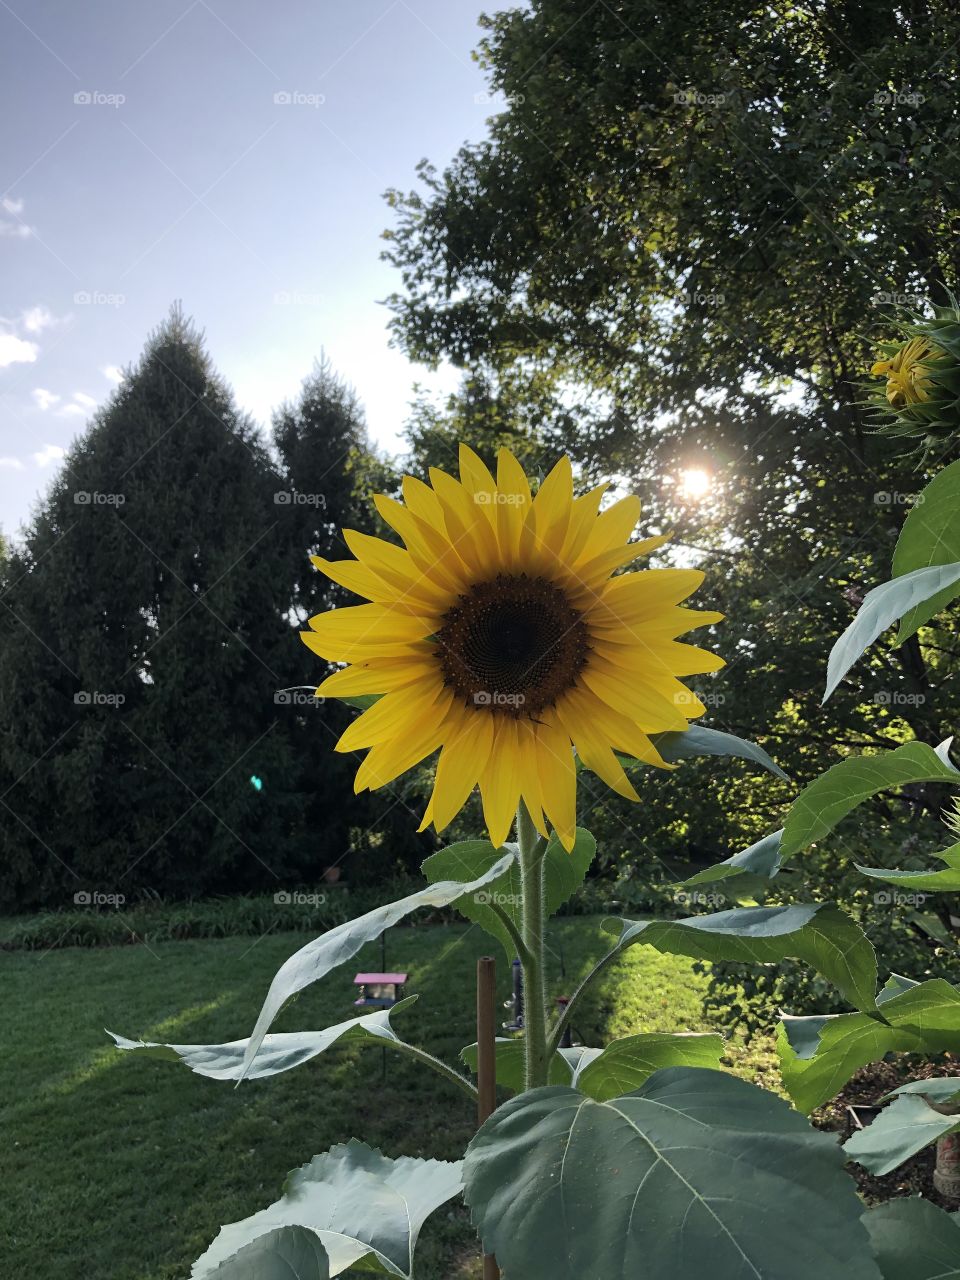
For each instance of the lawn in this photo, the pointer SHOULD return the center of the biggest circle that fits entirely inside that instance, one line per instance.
(121, 1167)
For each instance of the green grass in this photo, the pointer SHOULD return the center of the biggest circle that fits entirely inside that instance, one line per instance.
(120, 1167)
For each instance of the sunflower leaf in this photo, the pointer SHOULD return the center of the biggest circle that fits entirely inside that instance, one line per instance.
(287, 1253)
(901, 1129)
(819, 1054)
(563, 874)
(818, 933)
(829, 798)
(279, 1052)
(943, 879)
(696, 1173)
(896, 1230)
(902, 597)
(930, 536)
(365, 1210)
(605, 1073)
(317, 958)
(751, 867)
(698, 740)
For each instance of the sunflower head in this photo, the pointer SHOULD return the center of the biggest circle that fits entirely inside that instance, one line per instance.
(499, 632)
(920, 395)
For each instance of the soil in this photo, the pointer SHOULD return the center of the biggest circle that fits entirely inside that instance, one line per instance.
(870, 1084)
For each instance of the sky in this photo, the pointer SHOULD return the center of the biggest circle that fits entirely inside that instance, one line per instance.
(232, 155)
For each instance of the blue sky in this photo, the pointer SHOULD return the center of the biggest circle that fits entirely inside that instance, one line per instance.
(232, 155)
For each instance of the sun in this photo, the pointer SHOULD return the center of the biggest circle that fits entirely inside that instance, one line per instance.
(695, 483)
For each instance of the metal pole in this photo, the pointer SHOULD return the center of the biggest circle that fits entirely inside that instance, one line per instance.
(486, 1064)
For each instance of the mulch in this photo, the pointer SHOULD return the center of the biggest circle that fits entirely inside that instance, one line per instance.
(866, 1088)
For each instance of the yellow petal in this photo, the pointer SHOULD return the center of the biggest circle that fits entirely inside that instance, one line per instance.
(374, 677)
(499, 783)
(388, 760)
(650, 710)
(463, 759)
(394, 716)
(558, 778)
(365, 631)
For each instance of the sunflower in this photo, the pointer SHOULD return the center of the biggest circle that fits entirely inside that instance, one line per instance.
(907, 374)
(501, 634)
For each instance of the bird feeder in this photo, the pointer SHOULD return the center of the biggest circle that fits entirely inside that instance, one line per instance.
(379, 990)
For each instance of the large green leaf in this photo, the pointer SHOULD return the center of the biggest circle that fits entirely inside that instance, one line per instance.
(942, 880)
(698, 740)
(364, 1209)
(288, 1253)
(317, 958)
(563, 874)
(930, 536)
(752, 868)
(829, 798)
(696, 1174)
(901, 1129)
(605, 1073)
(818, 1055)
(817, 933)
(279, 1051)
(880, 609)
(914, 1240)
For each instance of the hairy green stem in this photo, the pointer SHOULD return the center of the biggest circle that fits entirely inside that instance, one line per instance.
(532, 848)
(429, 1060)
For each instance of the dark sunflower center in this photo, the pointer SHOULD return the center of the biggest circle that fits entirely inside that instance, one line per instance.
(514, 645)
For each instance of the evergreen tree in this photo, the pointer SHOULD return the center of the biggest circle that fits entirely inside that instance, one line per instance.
(142, 619)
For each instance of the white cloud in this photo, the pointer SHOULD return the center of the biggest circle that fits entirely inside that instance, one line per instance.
(86, 402)
(36, 319)
(14, 350)
(17, 228)
(45, 399)
(11, 464)
(49, 453)
(72, 411)
(113, 373)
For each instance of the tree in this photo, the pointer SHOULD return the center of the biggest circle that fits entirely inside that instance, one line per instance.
(683, 223)
(141, 623)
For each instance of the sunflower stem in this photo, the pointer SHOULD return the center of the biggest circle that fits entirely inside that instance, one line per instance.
(532, 848)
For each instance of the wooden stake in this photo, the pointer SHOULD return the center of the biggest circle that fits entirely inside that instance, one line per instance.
(486, 1064)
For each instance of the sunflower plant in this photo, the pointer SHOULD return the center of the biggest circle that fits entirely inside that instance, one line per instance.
(508, 634)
